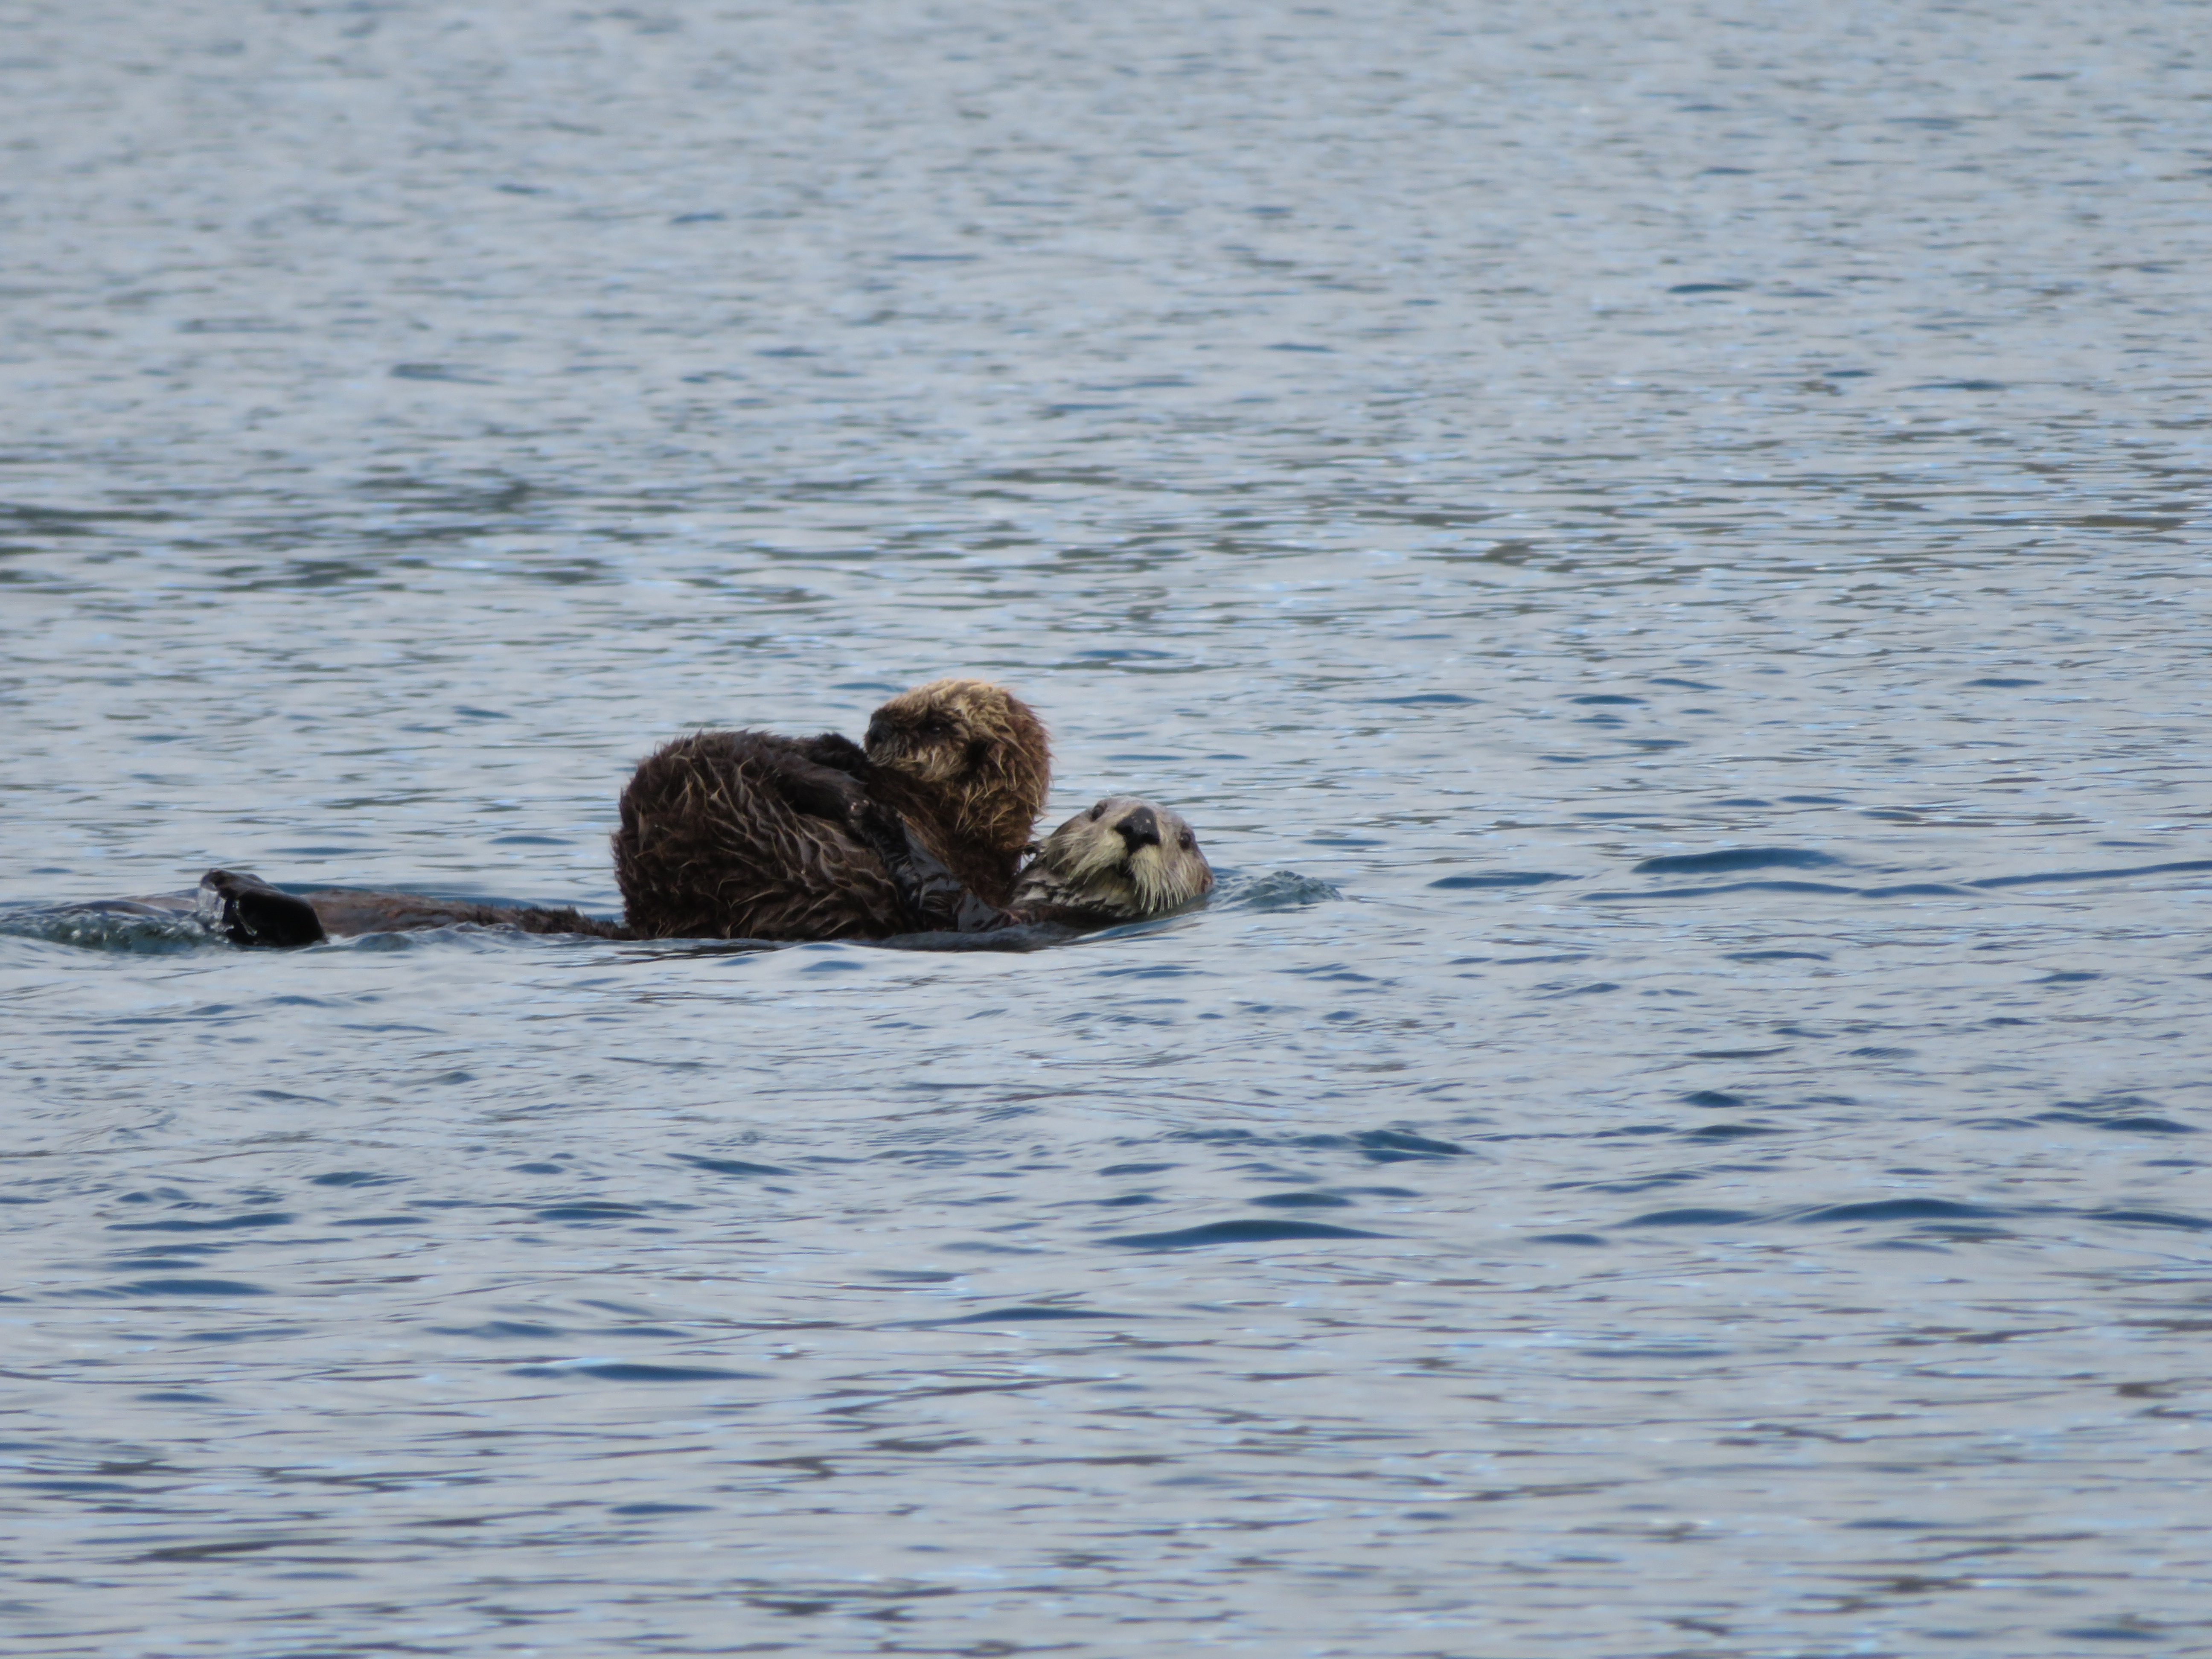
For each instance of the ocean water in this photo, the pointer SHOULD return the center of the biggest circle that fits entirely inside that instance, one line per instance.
(1663, 551)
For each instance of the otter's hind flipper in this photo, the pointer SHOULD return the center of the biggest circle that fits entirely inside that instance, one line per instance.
(247, 910)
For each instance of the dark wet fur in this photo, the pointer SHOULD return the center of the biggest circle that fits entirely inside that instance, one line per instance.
(747, 835)
(725, 835)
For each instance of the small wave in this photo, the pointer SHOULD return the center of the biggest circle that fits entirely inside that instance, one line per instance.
(2179, 867)
(1900, 1209)
(1029, 1313)
(1693, 862)
(1502, 878)
(734, 1166)
(1387, 1146)
(588, 1212)
(154, 927)
(1690, 1218)
(2193, 1223)
(622, 1371)
(220, 1224)
(1736, 858)
(1728, 887)
(1278, 889)
(1250, 1230)
(191, 1287)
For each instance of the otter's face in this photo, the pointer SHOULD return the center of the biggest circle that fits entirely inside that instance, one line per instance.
(1124, 858)
(944, 731)
(977, 740)
(929, 732)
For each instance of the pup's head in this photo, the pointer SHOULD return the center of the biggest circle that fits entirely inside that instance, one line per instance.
(979, 743)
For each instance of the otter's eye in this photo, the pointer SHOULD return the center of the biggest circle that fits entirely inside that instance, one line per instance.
(1097, 812)
(1188, 841)
(933, 728)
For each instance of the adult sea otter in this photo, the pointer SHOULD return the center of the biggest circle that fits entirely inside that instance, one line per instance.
(748, 834)
(1122, 861)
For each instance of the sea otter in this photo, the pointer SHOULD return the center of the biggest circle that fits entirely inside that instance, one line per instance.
(967, 764)
(747, 835)
(1122, 861)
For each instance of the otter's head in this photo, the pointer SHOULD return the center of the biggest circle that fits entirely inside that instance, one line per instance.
(1123, 859)
(979, 743)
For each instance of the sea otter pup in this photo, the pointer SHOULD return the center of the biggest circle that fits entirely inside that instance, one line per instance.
(1120, 861)
(967, 764)
(746, 835)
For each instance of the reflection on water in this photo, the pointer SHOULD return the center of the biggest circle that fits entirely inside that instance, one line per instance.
(1678, 539)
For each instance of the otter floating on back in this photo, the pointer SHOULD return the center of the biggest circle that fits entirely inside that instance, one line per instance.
(749, 835)
(1122, 861)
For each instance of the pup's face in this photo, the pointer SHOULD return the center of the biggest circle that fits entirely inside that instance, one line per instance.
(952, 731)
(1124, 857)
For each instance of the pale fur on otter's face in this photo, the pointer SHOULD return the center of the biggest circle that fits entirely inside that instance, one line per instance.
(1124, 858)
(979, 742)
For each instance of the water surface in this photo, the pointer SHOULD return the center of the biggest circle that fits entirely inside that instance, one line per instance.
(1689, 524)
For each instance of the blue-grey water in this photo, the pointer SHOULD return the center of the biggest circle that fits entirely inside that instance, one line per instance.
(1681, 529)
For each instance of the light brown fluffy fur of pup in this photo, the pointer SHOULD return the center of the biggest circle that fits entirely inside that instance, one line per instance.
(967, 764)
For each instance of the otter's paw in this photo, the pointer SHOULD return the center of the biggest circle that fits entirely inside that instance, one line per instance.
(932, 896)
(247, 910)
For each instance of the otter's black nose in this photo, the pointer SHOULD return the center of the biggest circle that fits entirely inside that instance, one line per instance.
(1139, 829)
